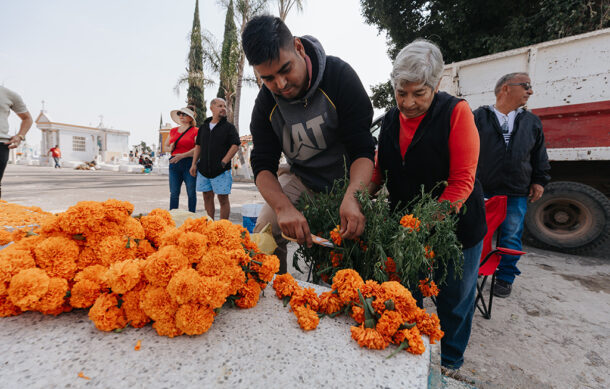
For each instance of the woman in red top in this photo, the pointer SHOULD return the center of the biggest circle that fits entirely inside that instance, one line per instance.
(430, 137)
(181, 143)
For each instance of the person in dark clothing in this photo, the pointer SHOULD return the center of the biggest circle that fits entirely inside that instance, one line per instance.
(513, 162)
(314, 109)
(217, 142)
(428, 138)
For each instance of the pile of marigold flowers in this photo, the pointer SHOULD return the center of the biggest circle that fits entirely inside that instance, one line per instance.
(385, 313)
(133, 271)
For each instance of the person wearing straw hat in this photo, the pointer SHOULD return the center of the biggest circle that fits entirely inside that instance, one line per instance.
(181, 143)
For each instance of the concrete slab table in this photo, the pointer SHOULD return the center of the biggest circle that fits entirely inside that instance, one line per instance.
(262, 347)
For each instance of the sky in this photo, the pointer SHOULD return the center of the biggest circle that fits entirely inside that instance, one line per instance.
(118, 61)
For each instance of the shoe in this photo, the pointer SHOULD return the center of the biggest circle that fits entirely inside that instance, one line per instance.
(457, 375)
(502, 288)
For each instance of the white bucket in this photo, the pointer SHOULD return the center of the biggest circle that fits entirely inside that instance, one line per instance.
(249, 213)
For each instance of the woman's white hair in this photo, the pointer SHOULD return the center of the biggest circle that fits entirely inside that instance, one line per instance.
(420, 61)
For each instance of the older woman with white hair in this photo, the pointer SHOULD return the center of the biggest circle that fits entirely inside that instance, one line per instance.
(429, 137)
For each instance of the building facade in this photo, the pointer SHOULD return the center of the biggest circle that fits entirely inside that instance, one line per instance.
(82, 143)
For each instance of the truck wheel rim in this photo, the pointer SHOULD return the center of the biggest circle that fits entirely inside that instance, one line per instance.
(561, 218)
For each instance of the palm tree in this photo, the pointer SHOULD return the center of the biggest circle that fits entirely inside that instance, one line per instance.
(284, 7)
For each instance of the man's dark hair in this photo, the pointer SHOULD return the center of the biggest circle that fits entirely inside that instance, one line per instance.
(263, 38)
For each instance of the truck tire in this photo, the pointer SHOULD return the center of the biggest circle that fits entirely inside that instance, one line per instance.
(570, 217)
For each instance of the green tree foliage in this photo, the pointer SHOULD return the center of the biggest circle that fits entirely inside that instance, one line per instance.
(471, 28)
(194, 94)
(229, 58)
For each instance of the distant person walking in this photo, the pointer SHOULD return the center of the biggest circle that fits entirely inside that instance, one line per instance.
(11, 101)
(217, 142)
(181, 144)
(56, 154)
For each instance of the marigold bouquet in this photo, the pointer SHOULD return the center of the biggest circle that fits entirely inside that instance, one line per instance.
(413, 242)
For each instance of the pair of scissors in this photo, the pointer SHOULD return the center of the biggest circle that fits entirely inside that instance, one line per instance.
(315, 238)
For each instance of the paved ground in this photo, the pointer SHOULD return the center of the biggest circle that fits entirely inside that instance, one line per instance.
(551, 333)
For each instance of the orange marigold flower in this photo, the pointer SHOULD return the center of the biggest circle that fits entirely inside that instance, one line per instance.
(84, 293)
(388, 324)
(167, 328)
(284, 285)
(214, 261)
(308, 318)
(82, 375)
(194, 319)
(86, 258)
(161, 266)
(335, 258)
(330, 303)
(305, 297)
(123, 276)
(402, 298)
(215, 290)
(368, 337)
(105, 313)
(249, 294)
(430, 325)
(185, 286)
(224, 234)
(57, 256)
(371, 288)
(429, 252)
(170, 237)
(410, 221)
(132, 228)
(117, 210)
(138, 345)
(114, 248)
(144, 249)
(84, 218)
(357, 314)
(270, 266)
(12, 261)
(7, 308)
(428, 288)
(193, 245)
(93, 273)
(131, 304)
(347, 282)
(27, 287)
(335, 236)
(158, 304)
(5, 237)
(52, 302)
(155, 224)
(413, 336)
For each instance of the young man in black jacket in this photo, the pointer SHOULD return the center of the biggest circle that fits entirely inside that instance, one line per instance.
(513, 162)
(217, 142)
(314, 109)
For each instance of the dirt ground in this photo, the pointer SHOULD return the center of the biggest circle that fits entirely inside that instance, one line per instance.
(552, 332)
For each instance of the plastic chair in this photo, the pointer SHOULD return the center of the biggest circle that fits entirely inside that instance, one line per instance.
(495, 213)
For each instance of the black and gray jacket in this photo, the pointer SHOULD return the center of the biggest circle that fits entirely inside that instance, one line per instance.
(214, 146)
(317, 132)
(511, 169)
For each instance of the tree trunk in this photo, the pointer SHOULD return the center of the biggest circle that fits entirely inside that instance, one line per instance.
(240, 79)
